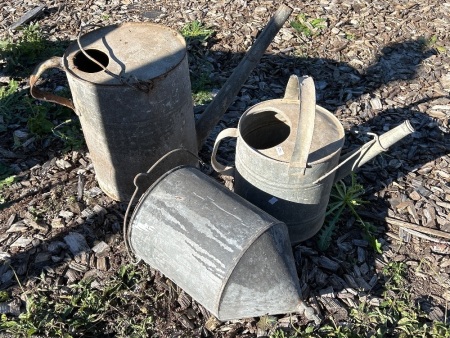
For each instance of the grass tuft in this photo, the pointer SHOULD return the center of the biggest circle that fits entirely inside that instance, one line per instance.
(196, 31)
(27, 48)
(81, 310)
(308, 27)
(42, 119)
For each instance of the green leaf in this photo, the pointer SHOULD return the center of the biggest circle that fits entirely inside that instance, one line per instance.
(266, 322)
(7, 181)
(406, 321)
(31, 331)
(4, 296)
(195, 30)
(376, 245)
(441, 49)
(39, 124)
(7, 324)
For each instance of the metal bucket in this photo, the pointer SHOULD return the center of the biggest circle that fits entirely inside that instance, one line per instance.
(230, 256)
(134, 100)
(280, 154)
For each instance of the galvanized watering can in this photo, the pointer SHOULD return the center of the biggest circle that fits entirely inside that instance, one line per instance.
(131, 89)
(288, 157)
(230, 256)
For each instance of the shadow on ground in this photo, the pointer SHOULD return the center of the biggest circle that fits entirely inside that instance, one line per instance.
(337, 83)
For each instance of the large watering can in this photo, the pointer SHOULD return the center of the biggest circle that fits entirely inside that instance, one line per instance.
(132, 95)
(288, 157)
(131, 89)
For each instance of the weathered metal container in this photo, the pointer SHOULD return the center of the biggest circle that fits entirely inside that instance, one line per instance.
(131, 89)
(268, 171)
(230, 256)
(288, 157)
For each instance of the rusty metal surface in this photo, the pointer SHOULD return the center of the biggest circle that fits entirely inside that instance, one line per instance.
(127, 129)
(230, 256)
(137, 51)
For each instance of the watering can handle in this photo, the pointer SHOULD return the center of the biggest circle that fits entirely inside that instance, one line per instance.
(220, 168)
(292, 91)
(302, 88)
(54, 62)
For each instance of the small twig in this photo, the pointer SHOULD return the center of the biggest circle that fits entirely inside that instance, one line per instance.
(28, 16)
(421, 235)
(408, 225)
(80, 187)
(418, 228)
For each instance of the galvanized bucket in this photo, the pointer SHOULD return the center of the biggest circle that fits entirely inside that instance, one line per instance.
(131, 89)
(230, 256)
(280, 155)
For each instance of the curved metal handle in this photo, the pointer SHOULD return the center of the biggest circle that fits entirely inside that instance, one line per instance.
(54, 62)
(305, 125)
(220, 168)
(292, 91)
(144, 180)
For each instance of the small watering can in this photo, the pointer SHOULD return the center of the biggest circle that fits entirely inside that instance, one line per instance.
(288, 157)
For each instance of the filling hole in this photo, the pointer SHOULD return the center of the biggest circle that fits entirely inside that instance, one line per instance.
(265, 130)
(86, 65)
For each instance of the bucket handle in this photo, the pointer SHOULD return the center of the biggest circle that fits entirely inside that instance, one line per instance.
(302, 88)
(53, 62)
(177, 157)
(220, 168)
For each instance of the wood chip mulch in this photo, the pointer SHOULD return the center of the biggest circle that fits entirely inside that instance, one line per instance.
(375, 64)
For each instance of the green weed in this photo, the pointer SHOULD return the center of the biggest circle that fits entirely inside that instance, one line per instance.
(350, 36)
(27, 48)
(5, 174)
(196, 31)
(266, 323)
(397, 315)
(4, 296)
(6, 179)
(81, 310)
(201, 87)
(308, 27)
(343, 198)
(202, 97)
(70, 133)
(42, 119)
(326, 233)
(282, 334)
(39, 124)
(10, 101)
(433, 42)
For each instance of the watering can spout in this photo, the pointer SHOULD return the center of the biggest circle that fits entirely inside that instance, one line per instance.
(358, 157)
